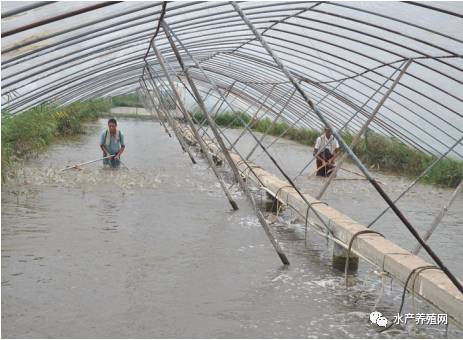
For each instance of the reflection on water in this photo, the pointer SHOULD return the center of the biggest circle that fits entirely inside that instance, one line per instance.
(156, 252)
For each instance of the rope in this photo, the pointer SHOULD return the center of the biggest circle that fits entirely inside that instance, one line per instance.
(365, 231)
(418, 270)
(276, 196)
(307, 218)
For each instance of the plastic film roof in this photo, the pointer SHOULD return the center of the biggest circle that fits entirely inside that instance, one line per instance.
(345, 55)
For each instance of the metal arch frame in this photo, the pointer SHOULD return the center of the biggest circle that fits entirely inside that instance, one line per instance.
(83, 35)
(414, 113)
(307, 9)
(435, 46)
(50, 61)
(377, 83)
(399, 94)
(412, 101)
(7, 62)
(379, 61)
(59, 17)
(108, 46)
(72, 29)
(382, 39)
(66, 75)
(26, 8)
(58, 84)
(263, 13)
(346, 148)
(312, 126)
(117, 73)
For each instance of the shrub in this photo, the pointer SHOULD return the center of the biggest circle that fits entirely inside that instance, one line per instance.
(375, 150)
(31, 131)
(126, 100)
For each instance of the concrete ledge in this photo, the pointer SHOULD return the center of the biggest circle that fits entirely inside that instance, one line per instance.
(432, 285)
(217, 155)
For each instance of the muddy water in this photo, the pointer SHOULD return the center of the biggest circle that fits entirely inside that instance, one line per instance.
(355, 197)
(155, 251)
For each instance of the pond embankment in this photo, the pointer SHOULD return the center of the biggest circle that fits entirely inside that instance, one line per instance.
(379, 152)
(128, 112)
(30, 132)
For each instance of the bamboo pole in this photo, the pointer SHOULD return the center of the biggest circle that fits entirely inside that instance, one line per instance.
(225, 151)
(439, 217)
(203, 147)
(359, 134)
(172, 123)
(354, 157)
(271, 125)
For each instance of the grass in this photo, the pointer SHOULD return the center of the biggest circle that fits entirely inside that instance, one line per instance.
(376, 151)
(31, 131)
(126, 100)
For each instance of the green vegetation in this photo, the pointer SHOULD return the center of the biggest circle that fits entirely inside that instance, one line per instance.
(126, 100)
(31, 131)
(386, 153)
(377, 151)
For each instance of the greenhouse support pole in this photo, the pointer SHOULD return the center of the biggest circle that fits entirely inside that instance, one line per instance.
(161, 114)
(151, 106)
(439, 217)
(298, 120)
(221, 100)
(207, 96)
(161, 121)
(212, 124)
(245, 112)
(220, 106)
(359, 134)
(246, 126)
(355, 114)
(253, 120)
(203, 146)
(412, 184)
(271, 125)
(348, 150)
(171, 122)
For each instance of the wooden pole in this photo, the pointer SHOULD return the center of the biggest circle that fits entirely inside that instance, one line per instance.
(356, 139)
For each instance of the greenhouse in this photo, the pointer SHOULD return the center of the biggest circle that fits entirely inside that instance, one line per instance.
(292, 169)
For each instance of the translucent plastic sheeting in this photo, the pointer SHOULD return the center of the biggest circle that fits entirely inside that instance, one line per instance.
(345, 55)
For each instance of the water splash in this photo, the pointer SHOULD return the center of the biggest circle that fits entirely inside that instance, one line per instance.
(87, 179)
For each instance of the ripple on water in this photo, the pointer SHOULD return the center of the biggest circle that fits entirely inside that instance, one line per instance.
(87, 179)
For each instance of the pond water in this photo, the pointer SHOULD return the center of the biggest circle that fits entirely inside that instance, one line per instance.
(155, 250)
